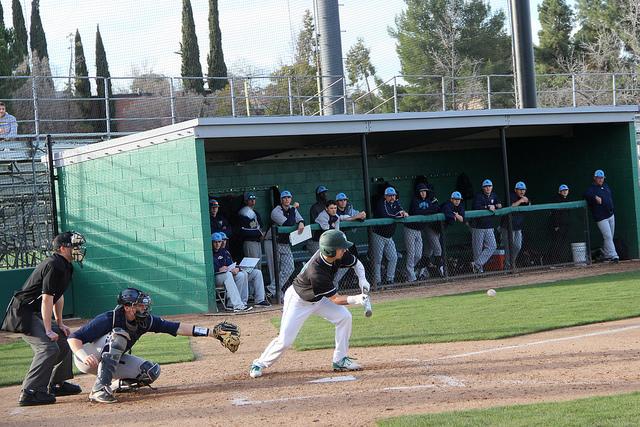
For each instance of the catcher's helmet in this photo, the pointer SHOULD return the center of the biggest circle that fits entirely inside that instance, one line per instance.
(72, 239)
(133, 296)
(331, 240)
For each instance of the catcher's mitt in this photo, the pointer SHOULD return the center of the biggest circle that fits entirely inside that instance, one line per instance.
(228, 334)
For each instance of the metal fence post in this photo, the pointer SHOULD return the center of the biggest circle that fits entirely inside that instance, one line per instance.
(573, 89)
(444, 96)
(395, 95)
(106, 106)
(587, 234)
(613, 83)
(233, 97)
(172, 101)
(276, 260)
(489, 92)
(246, 97)
(290, 93)
(344, 96)
(445, 264)
(36, 113)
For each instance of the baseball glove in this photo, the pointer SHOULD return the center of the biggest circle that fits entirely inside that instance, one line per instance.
(228, 334)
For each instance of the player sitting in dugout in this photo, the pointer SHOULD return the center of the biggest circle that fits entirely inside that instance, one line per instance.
(99, 347)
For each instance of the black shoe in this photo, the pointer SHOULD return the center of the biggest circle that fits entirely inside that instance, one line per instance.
(614, 260)
(33, 398)
(264, 303)
(64, 389)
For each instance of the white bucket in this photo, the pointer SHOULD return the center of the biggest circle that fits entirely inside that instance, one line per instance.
(579, 252)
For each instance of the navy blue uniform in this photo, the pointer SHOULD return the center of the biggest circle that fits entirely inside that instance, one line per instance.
(448, 209)
(385, 209)
(420, 206)
(219, 224)
(599, 211)
(517, 219)
(482, 201)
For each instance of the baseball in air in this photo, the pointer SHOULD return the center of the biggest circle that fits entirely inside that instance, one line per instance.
(491, 292)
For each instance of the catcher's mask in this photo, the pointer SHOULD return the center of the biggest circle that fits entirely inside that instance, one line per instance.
(332, 240)
(73, 240)
(133, 296)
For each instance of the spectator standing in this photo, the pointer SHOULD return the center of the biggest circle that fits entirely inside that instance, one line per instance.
(483, 239)
(8, 124)
(382, 244)
(517, 198)
(600, 202)
(251, 227)
(420, 205)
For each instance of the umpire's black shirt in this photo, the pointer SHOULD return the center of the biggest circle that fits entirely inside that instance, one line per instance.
(315, 281)
(51, 277)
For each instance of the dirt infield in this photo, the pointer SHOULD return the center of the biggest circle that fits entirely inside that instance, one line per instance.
(300, 389)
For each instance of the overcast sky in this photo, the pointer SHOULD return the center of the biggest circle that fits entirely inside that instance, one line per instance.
(257, 35)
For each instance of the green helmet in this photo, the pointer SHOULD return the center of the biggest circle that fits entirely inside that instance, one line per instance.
(331, 240)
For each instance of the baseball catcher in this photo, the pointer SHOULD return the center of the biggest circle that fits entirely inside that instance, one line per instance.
(99, 347)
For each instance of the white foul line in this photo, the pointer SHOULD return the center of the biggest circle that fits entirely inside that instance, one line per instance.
(529, 344)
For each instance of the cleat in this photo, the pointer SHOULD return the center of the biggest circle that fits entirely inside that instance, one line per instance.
(34, 398)
(255, 371)
(264, 303)
(64, 389)
(243, 309)
(104, 395)
(614, 260)
(346, 364)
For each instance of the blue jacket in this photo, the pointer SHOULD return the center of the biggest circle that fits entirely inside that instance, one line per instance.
(221, 258)
(517, 219)
(219, 223)
(250, 225)
(480, 202)
(604, 210)
(387, 210)
(420, 206)
(448, 209)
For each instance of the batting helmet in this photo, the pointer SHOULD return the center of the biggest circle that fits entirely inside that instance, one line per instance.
(332, 240)
(133, 296)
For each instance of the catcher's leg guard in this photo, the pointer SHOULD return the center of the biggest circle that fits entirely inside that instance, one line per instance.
(149, 372)
(111, 354)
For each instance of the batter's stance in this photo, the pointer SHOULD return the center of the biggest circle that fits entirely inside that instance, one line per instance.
(313, 292)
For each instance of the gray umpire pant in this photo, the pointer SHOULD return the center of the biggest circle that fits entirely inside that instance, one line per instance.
(483, 243)
(383, 246)
(413, 244)
(607, 228)
(51, 362)
(511, 253)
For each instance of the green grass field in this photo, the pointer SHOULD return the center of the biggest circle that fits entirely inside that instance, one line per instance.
(475, 316)
(15, 357)
(620, 410)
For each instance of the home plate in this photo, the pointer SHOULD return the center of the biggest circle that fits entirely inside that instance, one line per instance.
(338, 379)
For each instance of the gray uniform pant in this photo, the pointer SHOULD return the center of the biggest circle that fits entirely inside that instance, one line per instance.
(128, 367)
(413, 244)
(383, 246)
(483, 243)
(511, 254)
(252, 249)
(607, 228)
(431, 243)
(285, 264)
(236, 286)
(51, 362)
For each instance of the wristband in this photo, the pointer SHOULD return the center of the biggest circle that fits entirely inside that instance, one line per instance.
(200, 331)
(82, 355)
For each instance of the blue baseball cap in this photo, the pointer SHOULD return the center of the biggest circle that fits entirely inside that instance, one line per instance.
(563, 187)
(390, 191)
(341, 196)
(321, 189)
(487, 182)
(249, 196)
(223, 235)
(284, 194)
(216, 237)
(599, 173)
(213, 202)
(456, 195)
(520, 185)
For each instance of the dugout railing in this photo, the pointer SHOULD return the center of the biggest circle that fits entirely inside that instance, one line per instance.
(553, 235)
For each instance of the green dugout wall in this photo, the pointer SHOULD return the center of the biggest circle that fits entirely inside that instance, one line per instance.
(142, 199)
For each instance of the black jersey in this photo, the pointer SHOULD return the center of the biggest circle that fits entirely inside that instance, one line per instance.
(51, 277)
(315, 281)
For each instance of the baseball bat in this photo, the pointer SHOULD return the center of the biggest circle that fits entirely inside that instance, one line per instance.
(367, 307)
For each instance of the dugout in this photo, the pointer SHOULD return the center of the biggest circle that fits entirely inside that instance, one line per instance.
(142, 200)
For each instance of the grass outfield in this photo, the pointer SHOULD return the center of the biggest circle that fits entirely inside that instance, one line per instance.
(620, 410)
(15, 357)
(475, 316)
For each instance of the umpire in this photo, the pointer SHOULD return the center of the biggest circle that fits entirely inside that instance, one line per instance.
(30, 313)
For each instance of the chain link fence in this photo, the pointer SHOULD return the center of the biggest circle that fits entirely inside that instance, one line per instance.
(524, 238)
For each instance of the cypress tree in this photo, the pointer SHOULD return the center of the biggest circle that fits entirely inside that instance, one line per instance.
(189, 51)
(215, 59)
(102, 70)
(556, 18)
(1, 16)
(36, 32)
(21, 48)
(82, 83)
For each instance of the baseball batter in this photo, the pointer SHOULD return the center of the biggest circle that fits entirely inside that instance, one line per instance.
(99, 347)
(313, 292)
